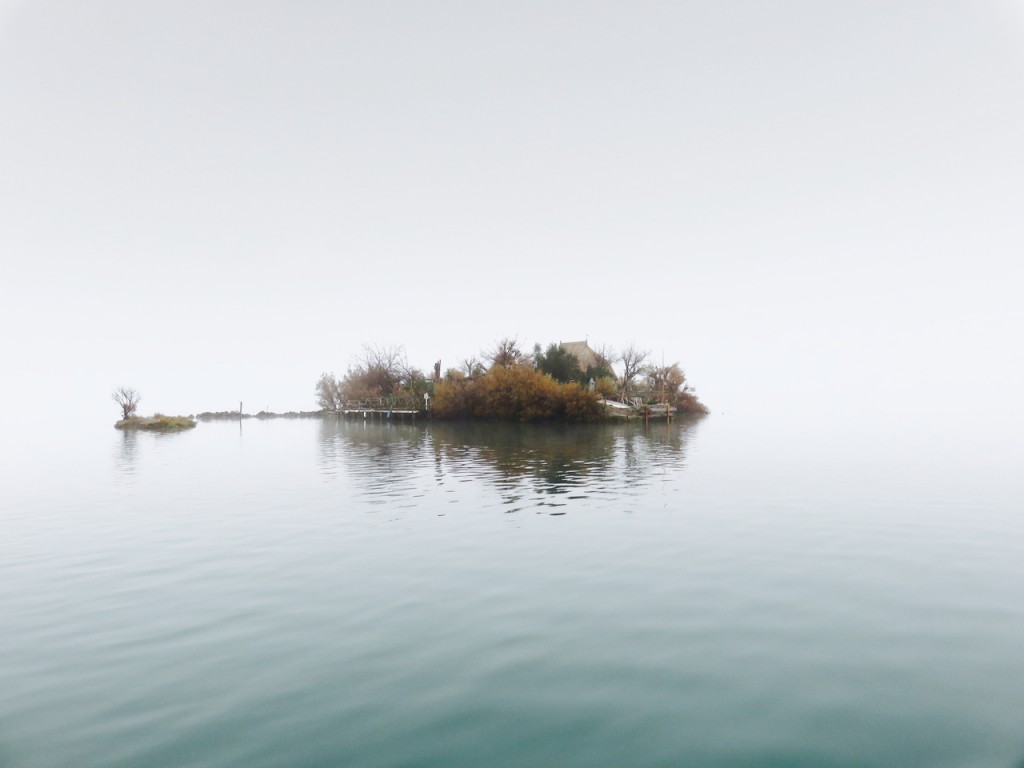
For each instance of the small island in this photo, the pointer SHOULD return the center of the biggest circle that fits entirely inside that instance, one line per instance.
(568, 382)
(128, 399)
(158, 422)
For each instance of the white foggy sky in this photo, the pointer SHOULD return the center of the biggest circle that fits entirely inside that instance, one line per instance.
(815, 207)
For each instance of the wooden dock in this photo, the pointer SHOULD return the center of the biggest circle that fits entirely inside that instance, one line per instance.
(383, 408)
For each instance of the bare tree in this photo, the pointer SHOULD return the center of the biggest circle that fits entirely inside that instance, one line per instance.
(633, 360)
(379, 372)
(328, 393)
(388, 358)
(506, 353)
(472, 367)
(128, 398)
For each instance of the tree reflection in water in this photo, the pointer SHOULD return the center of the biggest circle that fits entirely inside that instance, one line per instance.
(127, 455)
(540, 466)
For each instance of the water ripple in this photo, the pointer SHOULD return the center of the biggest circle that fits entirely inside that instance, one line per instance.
(545, 467)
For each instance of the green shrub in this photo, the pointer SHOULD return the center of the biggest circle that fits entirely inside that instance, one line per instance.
(558, 363)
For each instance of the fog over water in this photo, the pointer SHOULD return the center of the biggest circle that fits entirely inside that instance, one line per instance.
(813, 207)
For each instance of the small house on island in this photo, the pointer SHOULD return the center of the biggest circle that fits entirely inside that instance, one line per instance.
(581, 350)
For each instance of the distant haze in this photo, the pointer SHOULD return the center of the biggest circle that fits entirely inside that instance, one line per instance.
(814, 207)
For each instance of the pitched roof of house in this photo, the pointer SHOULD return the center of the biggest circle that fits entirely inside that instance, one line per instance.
(581, 351)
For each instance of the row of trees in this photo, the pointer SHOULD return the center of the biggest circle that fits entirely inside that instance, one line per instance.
(384, 371)
(562, 365)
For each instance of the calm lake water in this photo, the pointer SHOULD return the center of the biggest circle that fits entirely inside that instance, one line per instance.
(316, 593)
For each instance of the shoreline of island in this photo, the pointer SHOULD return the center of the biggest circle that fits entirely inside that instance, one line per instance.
(566, 383)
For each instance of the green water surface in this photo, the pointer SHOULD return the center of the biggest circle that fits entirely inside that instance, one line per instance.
(323, 593)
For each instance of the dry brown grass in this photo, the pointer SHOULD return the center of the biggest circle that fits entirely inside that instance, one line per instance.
(158, 422)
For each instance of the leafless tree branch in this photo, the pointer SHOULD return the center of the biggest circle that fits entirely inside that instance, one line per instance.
(633, 360)
(506, 353)
(128, 399)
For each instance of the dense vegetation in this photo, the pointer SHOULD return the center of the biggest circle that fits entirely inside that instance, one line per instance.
(563, 382)
(516, 393)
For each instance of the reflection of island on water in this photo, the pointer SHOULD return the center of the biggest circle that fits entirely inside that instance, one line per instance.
(529, 465)
(127, 456)
(133, 446)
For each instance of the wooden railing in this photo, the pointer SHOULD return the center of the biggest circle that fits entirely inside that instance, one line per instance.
(383, 404)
